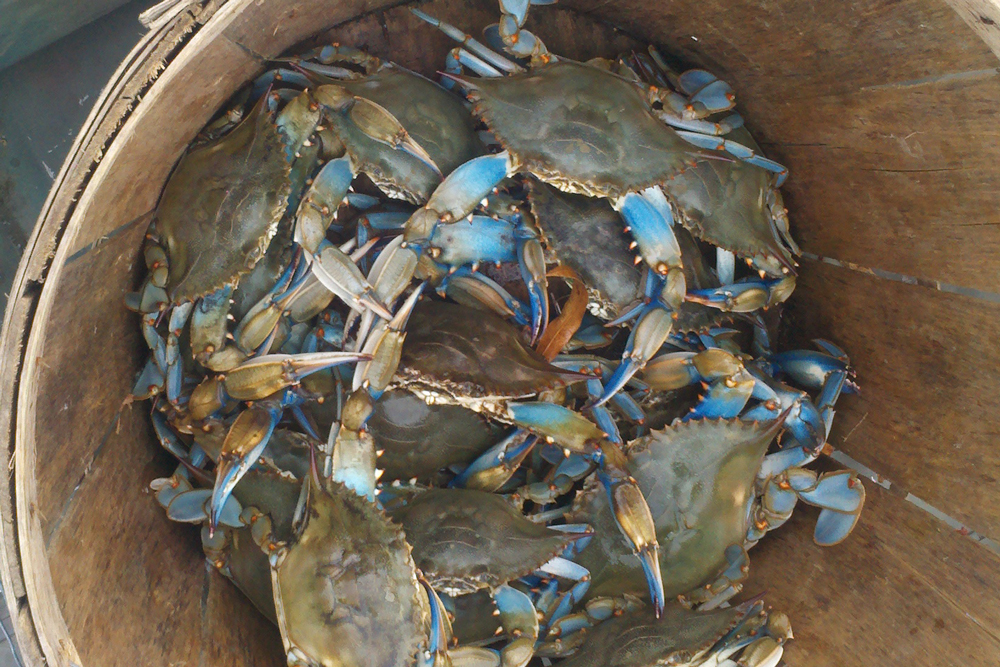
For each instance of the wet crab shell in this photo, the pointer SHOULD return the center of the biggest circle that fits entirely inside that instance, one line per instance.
(465, 540)
(470, 357)
(724, 201)
(586, 235)
(639, 639)
(433, 117)
(346, 589)
(582, 129)
(417, 439)
(221, 207)
(698, 478)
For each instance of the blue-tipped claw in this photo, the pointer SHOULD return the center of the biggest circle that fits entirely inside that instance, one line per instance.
(725, 398)
(243, 445)
(833, 527)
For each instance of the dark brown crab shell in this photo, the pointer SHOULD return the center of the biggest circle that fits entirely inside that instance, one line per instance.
(435, 118)
(587, 235)
(346, 589)
(417, 439)
(590, 131)
(639, 639)
(221, 207)
(458, 355)
(724, 202)
(698, 478)
(465, 540)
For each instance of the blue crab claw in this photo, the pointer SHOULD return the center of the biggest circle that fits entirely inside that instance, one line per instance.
(832, 528)
(263, 376)
(340, 275)
(646, 339)
(150, 381)
(806, 424)
(725, 398)
(840, 491)
(493, 468)
(636, 524)
(519, 619)
(473, 289)
(481, 239)
(742, 297)
(692, 80)
(807, 368)
(655, 241)
(456, 196)
(318, 209)
(531, 259)
(675, 370)
(713, 97)
(243, 445)
(192, 507)
(558, 425)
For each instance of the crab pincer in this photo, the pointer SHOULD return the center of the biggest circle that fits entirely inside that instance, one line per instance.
(254, 380)
(571, 430)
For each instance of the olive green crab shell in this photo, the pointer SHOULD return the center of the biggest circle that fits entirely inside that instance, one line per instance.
(588, 131)
(724, 202)
(346, 589)
(474, 353)
(465, 540)
(221, 207)
(697, 477)
(679, 637)
(433, 117)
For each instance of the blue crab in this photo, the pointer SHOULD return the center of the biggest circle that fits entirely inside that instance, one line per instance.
(698, 478)
(464, 541)
(635, 638)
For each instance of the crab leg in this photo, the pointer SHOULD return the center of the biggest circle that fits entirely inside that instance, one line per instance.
(354, 448)
(383, 349)
(571, 430)
(738, 150)
(475, 290)
(340, 275)
(493, 468)
(244, 443)
(477, 48)
(725, 398)
(318, 209)
(649, 225)
(648, 336)
(261, 377)
(174, 370)
(746, 296)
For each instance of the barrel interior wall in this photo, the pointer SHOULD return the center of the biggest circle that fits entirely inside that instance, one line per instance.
(876, 107)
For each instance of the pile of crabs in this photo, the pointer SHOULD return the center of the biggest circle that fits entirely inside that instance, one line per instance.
(468, 371)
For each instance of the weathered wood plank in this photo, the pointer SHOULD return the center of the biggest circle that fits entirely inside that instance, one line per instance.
(901, 591)
(122, 571)
(926, 363)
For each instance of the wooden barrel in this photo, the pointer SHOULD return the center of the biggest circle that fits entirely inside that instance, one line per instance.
(884, 110)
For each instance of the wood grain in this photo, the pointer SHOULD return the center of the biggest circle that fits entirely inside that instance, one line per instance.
(926, 363)
(902, 591)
